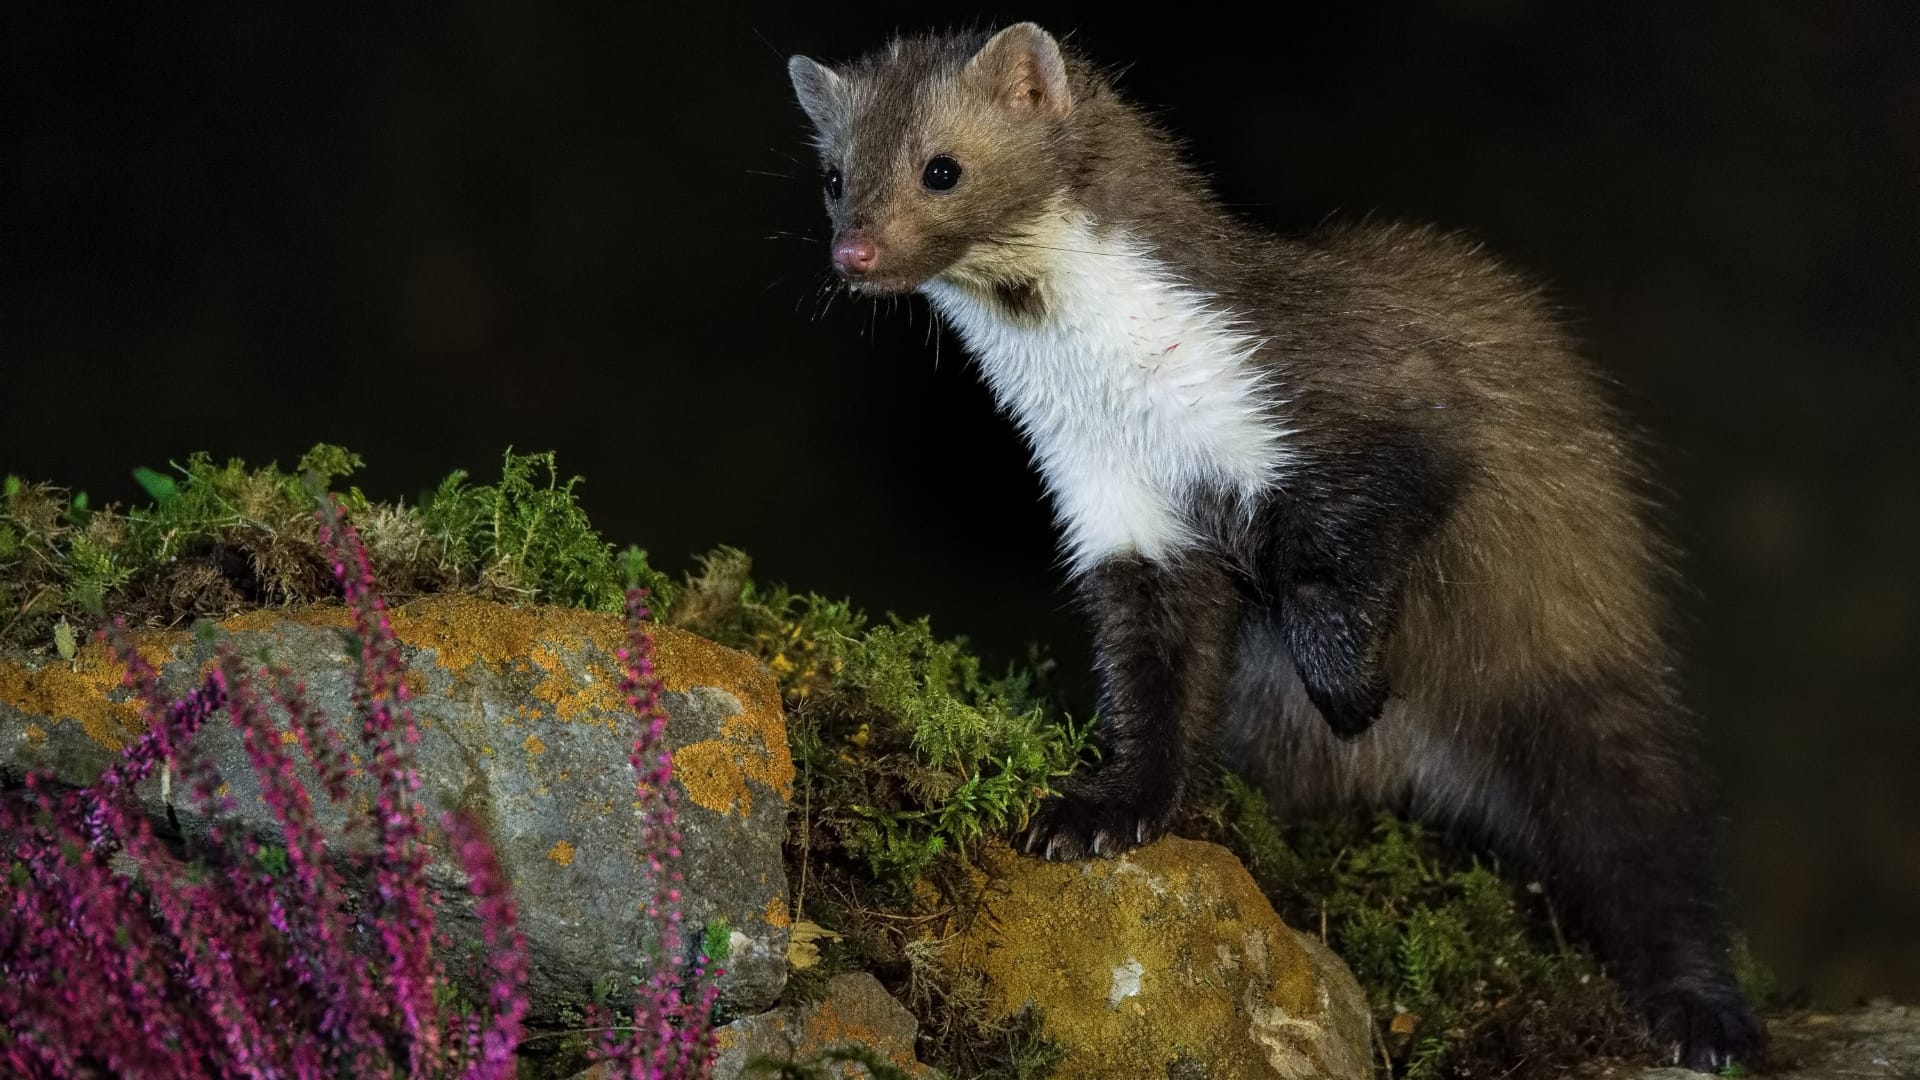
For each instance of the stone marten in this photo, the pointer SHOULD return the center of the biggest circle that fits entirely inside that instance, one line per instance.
(1349, 506)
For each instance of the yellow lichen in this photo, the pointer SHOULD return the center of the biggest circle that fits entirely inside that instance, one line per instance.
(533, 745)
(1173, 945)
(561, 852)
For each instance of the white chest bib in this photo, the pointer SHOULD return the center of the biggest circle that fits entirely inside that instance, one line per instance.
(1133, 391)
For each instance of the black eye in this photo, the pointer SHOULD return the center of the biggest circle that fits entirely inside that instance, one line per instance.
(942, 173)
(833, 184)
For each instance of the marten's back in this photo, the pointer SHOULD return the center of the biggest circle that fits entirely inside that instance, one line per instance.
(1546, 569)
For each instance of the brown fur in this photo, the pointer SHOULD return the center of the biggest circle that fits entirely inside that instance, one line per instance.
(1462, 558)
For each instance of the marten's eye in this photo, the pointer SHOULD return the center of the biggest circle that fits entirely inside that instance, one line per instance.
(942, 173)
(832, 181)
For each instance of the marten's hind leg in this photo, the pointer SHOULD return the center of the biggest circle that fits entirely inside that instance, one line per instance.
(1597, 795)
(1597, 792)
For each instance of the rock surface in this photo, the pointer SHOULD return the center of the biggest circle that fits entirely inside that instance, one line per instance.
(856, 1011)
(521, 720)
(1164, 962)
(1877, 1042)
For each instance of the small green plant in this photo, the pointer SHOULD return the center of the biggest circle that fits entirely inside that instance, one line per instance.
(527, 535)
(717, 941)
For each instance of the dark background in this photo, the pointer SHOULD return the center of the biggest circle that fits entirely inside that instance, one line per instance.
(432, 233)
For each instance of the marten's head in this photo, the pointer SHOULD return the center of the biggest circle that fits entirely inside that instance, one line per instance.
(941, 156)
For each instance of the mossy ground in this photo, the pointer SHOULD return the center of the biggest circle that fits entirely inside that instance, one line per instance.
(908, 751)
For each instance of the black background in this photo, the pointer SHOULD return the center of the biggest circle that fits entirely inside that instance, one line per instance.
(435, 232)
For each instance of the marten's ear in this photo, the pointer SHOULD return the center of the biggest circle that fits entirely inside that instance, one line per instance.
(820, 89)
(1022, 67)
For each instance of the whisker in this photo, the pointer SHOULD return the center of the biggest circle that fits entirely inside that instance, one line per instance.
(770, 45)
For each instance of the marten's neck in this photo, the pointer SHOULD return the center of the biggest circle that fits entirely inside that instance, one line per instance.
(1132, 386)
(1131, 178)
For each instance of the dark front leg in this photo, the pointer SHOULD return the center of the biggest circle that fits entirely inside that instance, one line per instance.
(1338, 545)
(1163, 641)
(1337, 634)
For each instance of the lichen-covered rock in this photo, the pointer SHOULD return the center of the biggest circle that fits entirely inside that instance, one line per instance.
(855, 1012)
(521, 721)
(1166, 961)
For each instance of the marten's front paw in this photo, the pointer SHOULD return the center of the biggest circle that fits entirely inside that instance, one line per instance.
(1706, 1031)
(1349, 710)
(1080, 823)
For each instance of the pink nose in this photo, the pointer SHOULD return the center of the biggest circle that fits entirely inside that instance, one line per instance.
(854, 254)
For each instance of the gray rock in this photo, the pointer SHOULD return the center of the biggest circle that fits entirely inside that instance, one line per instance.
(1880, 1041)
(521, 722)
(856, 1011)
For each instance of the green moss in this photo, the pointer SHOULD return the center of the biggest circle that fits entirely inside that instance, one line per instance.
(908, 751)
(716, 942)
(527, 535)
(217, 538)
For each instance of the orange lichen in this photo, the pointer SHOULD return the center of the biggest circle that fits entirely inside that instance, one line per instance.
(777, 915)
(83, 690)
(830, 1028)
(561, 852)
(264, 619)
(685, 660)
(570, 652)
(36, 734)
(843, 1018)
(711, 773)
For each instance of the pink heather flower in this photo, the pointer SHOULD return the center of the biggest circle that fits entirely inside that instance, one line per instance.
(115, 956)
(118, 958)
(671, 1036)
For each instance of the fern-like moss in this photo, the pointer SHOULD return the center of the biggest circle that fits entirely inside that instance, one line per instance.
(217, 538)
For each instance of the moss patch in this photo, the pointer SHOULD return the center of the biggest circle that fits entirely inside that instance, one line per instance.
(219, 539)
